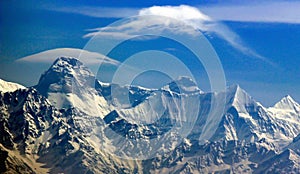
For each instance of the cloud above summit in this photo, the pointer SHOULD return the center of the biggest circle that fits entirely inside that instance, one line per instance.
(181, 19)
(87, 57)
(251, 11)
(182, 12)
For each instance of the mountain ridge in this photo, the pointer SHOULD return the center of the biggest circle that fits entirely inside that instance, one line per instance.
(72, 138)
(6, 86)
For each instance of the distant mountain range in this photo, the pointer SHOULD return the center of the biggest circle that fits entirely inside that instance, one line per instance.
(70, 123)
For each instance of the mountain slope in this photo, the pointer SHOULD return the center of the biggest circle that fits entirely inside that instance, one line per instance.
(247, 140)
(286, 162)
(9, 86)
(246, 119)
(37, 136)
(72, 123)
(68, 83)
(11, 163)
(287, 103)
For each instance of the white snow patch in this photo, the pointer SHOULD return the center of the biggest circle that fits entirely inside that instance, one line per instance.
(9, 86)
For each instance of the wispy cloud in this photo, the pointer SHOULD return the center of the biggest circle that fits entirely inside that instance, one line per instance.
(204, 18)
(181, 19)
(87, 57)
(265, 12)
(98, 12)
(178, 19)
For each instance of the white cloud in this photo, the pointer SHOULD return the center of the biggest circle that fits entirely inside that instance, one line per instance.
(181, 19)
(183, 12)
(178, 19)
(87, 57)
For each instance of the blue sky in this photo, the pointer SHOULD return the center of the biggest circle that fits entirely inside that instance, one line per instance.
(258, 43)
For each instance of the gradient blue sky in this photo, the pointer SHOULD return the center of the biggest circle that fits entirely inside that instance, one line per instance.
(264, 60)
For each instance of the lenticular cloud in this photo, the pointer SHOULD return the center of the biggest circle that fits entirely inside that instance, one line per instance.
(178, 15)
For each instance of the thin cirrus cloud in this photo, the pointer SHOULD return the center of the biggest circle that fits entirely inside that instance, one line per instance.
(176, 16)
(99, 12)
(267, 12)
(264, 12)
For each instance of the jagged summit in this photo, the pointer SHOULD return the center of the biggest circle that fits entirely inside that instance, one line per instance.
(183, 84)
(65, 74)
(67, 60)
(68, 83)
(287, 102)
(233, 87)
(239, 98)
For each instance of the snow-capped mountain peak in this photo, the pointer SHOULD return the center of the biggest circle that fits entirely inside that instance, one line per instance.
(68, 83)
(183, 84)
(66, 60)
(65, 74)
(239, 98)
(232, 132)
(9, 86)
(288, 103)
